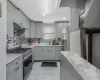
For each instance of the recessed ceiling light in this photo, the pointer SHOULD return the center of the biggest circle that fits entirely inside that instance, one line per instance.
(43, 14)
(64, 18)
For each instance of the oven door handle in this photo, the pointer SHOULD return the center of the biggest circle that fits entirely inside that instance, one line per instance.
(28, 55)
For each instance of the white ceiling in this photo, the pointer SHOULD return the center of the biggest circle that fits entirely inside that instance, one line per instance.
(43, 10)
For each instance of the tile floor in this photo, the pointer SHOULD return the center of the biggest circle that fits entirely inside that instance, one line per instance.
(44, 73)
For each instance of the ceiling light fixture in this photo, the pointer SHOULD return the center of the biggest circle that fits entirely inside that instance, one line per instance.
(64, 18)
(46, 8)
(43, 14)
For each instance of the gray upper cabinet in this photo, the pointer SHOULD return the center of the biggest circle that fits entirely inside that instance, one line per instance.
(26, 24)
(10, 19)
(38, 30)
(39, 51)
(17, 16)
(33, 30)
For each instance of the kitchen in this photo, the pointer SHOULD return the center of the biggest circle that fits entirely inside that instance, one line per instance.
(39, 42)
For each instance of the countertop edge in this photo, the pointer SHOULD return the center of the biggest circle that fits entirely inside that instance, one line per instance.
(86, 70)
(26, 45)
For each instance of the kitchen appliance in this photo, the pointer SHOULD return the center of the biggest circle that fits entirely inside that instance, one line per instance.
(27, 64)
(27, 59)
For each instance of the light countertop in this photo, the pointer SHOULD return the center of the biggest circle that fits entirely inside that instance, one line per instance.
(86, 70)
(11, 57)
(42, 45)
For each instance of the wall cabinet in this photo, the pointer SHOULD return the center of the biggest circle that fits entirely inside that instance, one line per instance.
(38, 30)
(15, 15)
(47, 53)
(15, 70)
(10, 20)
(33, 30)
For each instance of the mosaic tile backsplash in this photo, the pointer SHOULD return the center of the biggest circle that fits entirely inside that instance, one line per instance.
(18, 41)
(27, 40)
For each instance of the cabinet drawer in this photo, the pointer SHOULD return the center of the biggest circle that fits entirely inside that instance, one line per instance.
(49, 48)
(16, 73)
(12, 65)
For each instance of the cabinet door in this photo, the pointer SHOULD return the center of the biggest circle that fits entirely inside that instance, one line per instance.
(19, 73)
(39, 53)
(38, 30)
(58, 53)
(11, 76)
(17, 17)
(32, 30)
(49, 53)
(33, 54)
(10, 19)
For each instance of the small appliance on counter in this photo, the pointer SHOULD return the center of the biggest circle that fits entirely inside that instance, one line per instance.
(57, 41)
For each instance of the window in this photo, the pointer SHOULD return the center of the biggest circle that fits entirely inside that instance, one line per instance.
(49, 32)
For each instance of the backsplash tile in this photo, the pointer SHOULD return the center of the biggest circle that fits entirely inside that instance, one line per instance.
(19, 41)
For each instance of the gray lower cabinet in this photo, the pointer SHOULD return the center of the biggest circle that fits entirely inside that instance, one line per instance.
(11, 76)
(15, 70)
(33, 54)
(47, 53)
(39, 52)
(57, 53)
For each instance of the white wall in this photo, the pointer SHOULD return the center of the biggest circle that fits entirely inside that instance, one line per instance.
(75, 45)
(96, 50)
(3, 27)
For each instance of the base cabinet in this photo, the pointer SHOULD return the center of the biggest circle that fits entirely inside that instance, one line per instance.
(47, 53)
(11, 76)
(15, 74)
(57, 53)
(39, 52)
(15, 70)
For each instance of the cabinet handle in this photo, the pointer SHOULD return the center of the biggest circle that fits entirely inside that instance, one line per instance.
(49, 50)
(42, 50)
(17, 69)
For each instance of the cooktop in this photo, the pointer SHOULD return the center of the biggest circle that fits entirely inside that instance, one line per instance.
(18, 50)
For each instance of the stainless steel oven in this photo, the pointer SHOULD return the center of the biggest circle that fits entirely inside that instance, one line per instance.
(27, 64)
